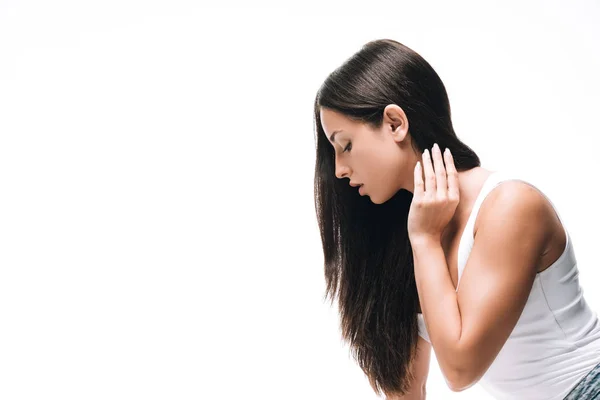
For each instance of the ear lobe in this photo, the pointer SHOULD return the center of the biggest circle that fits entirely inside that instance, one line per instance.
(395, 117)
(399, 130)
(399, 134)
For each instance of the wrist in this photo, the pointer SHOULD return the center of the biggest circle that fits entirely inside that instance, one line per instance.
(424, 241)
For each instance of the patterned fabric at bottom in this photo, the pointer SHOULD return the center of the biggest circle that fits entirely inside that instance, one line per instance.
(588, 388)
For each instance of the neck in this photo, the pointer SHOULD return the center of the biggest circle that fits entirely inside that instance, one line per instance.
(469, 185)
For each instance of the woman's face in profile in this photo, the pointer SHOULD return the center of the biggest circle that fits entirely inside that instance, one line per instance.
(380, 160)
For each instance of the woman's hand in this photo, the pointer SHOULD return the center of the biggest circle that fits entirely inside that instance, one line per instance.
(435, 200)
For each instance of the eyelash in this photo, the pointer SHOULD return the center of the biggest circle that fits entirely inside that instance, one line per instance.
(348, 147)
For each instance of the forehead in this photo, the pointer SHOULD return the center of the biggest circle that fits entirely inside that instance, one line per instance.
(333, 121)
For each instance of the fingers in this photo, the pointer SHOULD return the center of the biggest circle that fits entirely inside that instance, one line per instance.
(419, 185)
(453, 190)
(441, 177)
(430, 184)
(440, 172)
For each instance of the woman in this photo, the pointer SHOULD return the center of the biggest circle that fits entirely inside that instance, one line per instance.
(406, 213)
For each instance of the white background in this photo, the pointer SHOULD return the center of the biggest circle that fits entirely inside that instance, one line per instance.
(157, 232)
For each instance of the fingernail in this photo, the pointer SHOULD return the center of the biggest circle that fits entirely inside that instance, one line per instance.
(435, 146)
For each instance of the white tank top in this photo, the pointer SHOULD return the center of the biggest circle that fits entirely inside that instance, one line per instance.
(556, 340)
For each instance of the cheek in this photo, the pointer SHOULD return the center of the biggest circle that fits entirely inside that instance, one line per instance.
(376, 167)
(377, 163)
(386, 169)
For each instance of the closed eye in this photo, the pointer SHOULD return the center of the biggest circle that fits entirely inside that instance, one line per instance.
(348, 147)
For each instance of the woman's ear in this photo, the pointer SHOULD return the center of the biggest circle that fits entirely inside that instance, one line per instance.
(395, 121)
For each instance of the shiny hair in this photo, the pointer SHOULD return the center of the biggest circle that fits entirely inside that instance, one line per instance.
(367, 254)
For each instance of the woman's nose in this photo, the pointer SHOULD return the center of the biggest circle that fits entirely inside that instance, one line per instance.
(341, 171)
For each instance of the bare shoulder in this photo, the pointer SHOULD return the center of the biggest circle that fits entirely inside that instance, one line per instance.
(518, 203)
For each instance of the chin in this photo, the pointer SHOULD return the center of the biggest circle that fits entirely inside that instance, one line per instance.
(376, 200)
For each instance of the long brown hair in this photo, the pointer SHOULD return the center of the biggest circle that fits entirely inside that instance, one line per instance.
(367, 253)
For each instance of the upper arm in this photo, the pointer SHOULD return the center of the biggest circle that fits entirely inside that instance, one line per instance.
(497, 279)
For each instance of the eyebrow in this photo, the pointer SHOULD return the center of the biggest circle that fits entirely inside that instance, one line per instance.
(332, 139)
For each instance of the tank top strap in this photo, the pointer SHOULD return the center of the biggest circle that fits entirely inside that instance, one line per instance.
(497, 178)
(492, 181)
(467, 238)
